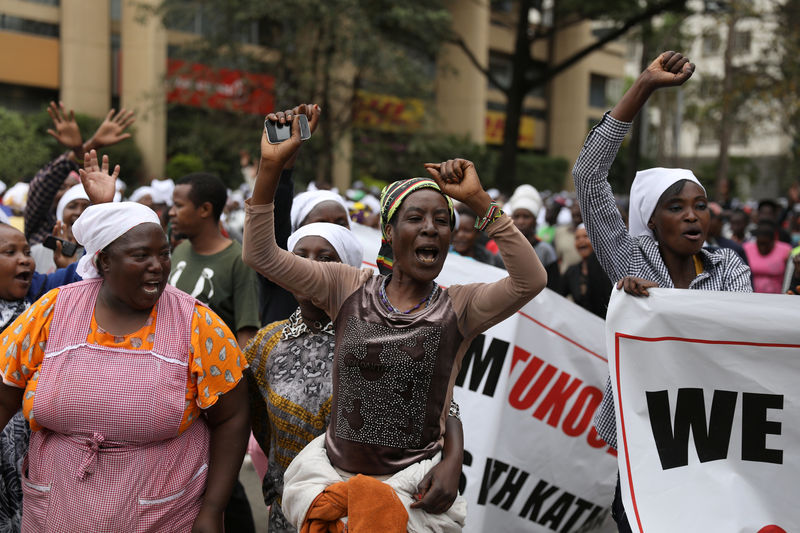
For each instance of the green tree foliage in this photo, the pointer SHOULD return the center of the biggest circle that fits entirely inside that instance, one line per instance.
(785, 84)
(213, 138)
(27, 147)
(180, 165)
(387, 158)
(624, 15)
(23, 153)
(324, 50)
(125, 154)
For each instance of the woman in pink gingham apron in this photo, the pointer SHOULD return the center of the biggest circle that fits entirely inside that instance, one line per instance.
(132, 390)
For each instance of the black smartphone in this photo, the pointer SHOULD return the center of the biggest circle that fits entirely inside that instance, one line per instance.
(67, 248)
(277, 132)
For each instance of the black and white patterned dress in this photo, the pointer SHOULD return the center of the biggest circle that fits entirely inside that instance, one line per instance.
(13, 446)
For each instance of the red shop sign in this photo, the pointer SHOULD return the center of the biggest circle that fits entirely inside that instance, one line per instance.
(198, 85)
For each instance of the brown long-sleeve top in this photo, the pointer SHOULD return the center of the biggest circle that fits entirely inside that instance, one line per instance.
(393, 373)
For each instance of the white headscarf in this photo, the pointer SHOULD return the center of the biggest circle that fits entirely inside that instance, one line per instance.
(162, 191)
(76, 192)
(17, 195)
(346, 244)
(304, 202)
(141, 192)
(100, 225)
(647, 188)
(524, 197)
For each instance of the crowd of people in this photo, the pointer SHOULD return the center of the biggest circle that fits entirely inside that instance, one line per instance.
(149, 343)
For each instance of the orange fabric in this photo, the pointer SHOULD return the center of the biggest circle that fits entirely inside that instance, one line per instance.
(368, 504)
(215, 368)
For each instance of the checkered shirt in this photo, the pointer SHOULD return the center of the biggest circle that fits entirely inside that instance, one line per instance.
(622, 255)
(40, 214)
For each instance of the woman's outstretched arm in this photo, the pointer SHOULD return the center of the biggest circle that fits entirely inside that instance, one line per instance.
(607, 231)
(325, 284)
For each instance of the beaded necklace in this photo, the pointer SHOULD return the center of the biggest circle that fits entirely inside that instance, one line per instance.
(393, 309)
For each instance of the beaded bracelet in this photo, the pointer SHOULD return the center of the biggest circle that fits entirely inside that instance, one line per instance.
(493, 212)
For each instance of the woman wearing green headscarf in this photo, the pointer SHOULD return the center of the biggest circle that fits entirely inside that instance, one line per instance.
(400, 337)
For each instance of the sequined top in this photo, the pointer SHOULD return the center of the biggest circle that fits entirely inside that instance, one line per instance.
(371, 431)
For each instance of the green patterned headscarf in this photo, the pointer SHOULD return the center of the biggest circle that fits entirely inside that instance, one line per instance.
(392, 197)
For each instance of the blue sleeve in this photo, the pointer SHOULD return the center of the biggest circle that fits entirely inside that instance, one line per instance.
(42, 283)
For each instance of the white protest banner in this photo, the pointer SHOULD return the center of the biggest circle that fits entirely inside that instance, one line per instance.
(528, 390)
(708, 410)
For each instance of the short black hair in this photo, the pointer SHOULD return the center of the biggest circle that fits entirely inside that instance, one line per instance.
(768, 202)
(766, 225)
(205, 187)
(673, 190)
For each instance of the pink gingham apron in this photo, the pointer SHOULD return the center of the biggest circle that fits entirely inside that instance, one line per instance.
(109, 458)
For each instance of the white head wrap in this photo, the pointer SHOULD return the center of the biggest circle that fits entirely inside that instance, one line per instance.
(100, 225)
(647, 188)
(17, 195)
(304, 202)
(141, 192)
(162, 191)
(524, 197)
(76, 192)
(346, 244)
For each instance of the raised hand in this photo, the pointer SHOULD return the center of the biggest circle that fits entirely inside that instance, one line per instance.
(279, 154)
(66, 129)
(99, 185)
(668, 70)
(112, 129)
(61, 260)
(311, 111)
(459, 180)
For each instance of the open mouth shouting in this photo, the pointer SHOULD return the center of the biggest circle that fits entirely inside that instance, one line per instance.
(427, 255)
(24, 277)
(152, 288)
(694, 234)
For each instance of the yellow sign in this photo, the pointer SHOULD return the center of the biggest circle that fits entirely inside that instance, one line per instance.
(496, 123)
(387, 113)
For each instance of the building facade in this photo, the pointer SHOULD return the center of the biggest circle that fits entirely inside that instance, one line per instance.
(92, 53)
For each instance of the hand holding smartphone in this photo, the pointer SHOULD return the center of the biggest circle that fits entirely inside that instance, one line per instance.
(67, 248)
(277, 132)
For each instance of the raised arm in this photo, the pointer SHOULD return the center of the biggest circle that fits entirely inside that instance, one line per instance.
(485, 304)
(43, 189)
(326, 284)
(610, 238)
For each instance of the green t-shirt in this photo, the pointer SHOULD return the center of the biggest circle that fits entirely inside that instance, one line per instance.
(221, 281)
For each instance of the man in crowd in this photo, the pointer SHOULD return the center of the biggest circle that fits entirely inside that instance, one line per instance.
(209, 266)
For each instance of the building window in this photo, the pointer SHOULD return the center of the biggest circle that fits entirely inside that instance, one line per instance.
(116, 10)
(597, 91)
(711, 44)
(46, 2)
(741, 42)
(502, 6)
(34, 27)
